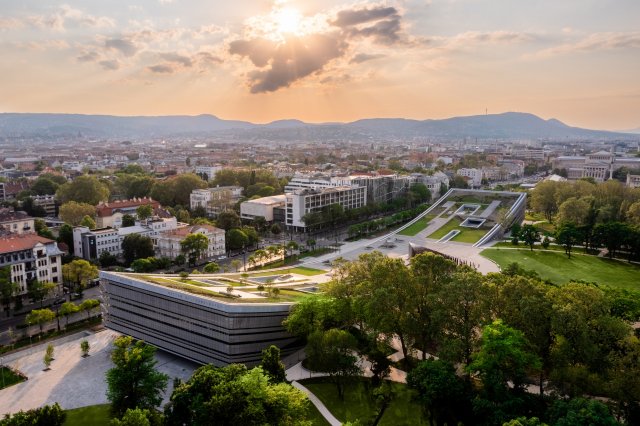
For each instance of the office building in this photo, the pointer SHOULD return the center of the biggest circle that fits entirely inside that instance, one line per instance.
(304, 201)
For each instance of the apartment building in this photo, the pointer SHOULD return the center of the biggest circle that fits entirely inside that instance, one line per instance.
(633, 181)
(434, 183)
(31, 258)
(168, 243)
(207, 172)
(48, 204)
(215, 200)
(474, 176)
(304, 201)
(109, 215)
(16, 222)
(381, 189)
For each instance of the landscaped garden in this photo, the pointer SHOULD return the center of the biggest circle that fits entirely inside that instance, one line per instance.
(8, 377)
(358, 404)
(557, 267)
(466, 235)
(94, 415)
(416, 227)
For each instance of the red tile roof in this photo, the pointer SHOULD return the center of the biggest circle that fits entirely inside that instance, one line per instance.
(10, 244)
(107, 209)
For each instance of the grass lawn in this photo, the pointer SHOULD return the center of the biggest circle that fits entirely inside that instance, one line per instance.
(416, 227)
(466, 235)
(314, 416)
(446, 228)
(358, 405)
(556, 267)
(94, 415)
(8, 378)
(300, 270)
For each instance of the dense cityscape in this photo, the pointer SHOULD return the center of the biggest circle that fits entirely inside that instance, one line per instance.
(169, 269)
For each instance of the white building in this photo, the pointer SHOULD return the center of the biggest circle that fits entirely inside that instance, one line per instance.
(47, 202)
(17, 222)
(109, 215)
(599, 165)
(169, 242)
(215, 200)
(633, 181)
(263, 207)
(31, 258)
(304, 201)
(207, 172)
(434, 183)
(473, 175)
(90, 244)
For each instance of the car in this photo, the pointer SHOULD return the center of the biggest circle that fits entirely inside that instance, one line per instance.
(222, 257)
(59, 301)
(369, 248)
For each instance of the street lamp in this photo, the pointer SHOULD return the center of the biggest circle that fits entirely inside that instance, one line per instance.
(2, 370)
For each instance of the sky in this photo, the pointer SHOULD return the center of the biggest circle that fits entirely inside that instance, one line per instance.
(323, 61)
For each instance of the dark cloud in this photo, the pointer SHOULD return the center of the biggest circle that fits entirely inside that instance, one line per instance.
(364, 57)
(109, 64)
(383, 32)
(287, 62)
(185, 61)
(349, 18)
(88, 57)
(259, 50)
(161, 69)
(124, 46)
(209, 58)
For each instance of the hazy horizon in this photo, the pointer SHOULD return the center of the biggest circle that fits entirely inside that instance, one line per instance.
(332, 61)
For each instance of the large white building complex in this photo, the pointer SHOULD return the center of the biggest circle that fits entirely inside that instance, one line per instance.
(599, 165)
(305, 201)
(271, 209)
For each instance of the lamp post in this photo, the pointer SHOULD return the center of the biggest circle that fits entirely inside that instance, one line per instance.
(2, 370)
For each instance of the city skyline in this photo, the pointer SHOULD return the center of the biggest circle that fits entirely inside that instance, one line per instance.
(336, 61)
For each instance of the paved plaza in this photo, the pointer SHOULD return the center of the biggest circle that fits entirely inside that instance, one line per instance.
(74, 381)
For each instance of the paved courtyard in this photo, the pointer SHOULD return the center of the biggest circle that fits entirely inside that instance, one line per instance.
(74, 381)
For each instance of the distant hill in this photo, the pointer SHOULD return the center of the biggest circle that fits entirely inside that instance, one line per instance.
(635, 131)
(509, 125)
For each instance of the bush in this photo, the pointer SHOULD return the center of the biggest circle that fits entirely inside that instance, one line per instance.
(50, 415)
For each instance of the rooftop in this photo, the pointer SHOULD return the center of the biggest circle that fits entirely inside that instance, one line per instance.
(15, 243)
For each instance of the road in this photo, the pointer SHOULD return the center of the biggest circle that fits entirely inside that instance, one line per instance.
(13, 322)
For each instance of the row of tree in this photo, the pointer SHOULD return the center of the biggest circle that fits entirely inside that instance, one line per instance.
(502, 329)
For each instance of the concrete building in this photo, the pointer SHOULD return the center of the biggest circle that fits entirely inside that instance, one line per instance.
(168, 243)
(304, 201)
(381, 189)
(434, 183)
(109, 215)
(17, 222)
(31, 258)
(48, 203)
(204, 329)
(599, 165)
(207, 172)
(215, 200)
(633, 181)
(265, 207)
(474, 176)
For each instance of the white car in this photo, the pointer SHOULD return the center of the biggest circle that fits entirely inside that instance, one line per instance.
(222, 257)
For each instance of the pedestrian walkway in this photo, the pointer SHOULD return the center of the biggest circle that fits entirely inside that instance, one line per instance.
(319, 405)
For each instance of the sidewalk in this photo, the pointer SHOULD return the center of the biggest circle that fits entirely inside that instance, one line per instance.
(319, 405)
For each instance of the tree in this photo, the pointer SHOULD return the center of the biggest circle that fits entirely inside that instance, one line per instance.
(48, 356)
(331, 352)
(65, 235)
(78, 273)
(144, 211)
(68, 308)
(236, 239)
(44, 186)
(42, 229)
(291, 246)
(580, 411)
(84, 189)
(503, 358)
(134, 382)
(272, 365)
(236, 264)
(136, 246)
(88, 305)
(128, 220)
(107, 259)
(530, 235)
(211, 268)
(440, 392)
(227, 220)
(276, 229)
(8, 288)
(73, 213)
(84, 348)
(48, 415)
(574, 210)
(311, 243)
(234, 395)
(568, 236)
(39, 290)
(40, 317)
(176, 190)
(543, 199)
(88, 222)
(194, 246)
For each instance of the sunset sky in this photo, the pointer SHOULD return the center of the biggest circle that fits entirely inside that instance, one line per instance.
(264, 60)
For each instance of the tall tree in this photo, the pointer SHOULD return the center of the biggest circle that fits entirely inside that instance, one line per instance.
(78, 273)
(136, 246)
(83, 189)
(144, 211)
(39, 290)
(567, 235)
(272, 365)
(73, 213)
(530, 235)
(194, 246)
(8, 288)
(134, 381)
